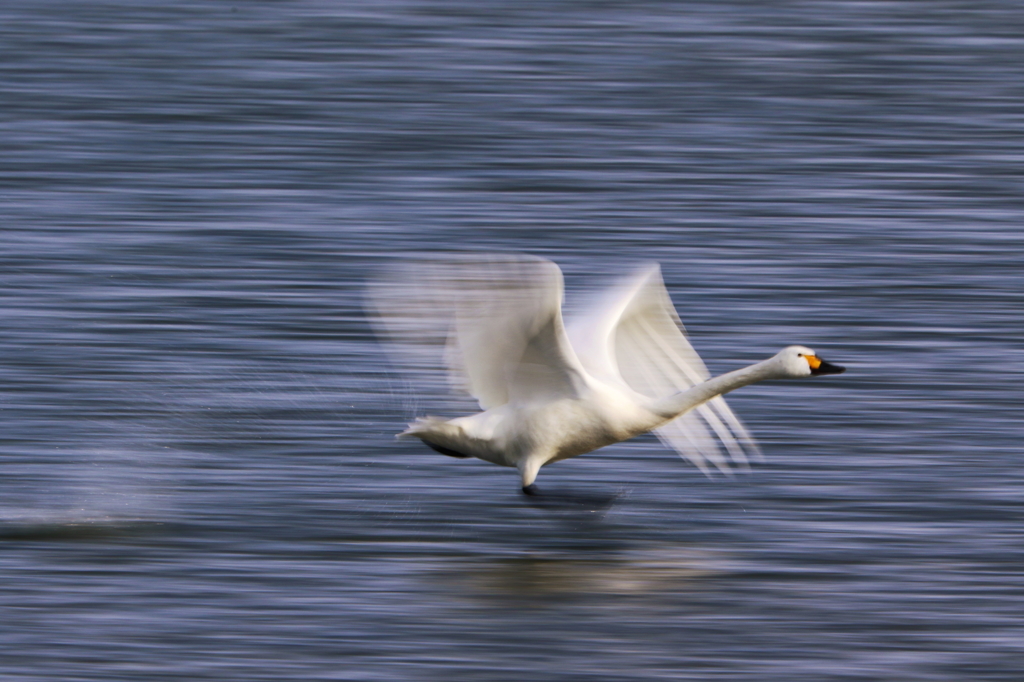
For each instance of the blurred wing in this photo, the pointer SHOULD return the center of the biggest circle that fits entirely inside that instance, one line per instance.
(632, 336)
(493, 322)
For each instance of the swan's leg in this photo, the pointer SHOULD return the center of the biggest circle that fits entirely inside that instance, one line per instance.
(528, 467)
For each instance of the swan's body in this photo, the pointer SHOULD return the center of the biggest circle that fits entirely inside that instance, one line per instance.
(621, 368)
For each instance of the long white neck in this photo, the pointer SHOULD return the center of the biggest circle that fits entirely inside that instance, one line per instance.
(676, 405)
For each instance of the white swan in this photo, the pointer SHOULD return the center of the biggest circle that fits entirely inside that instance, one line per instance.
(622, 366)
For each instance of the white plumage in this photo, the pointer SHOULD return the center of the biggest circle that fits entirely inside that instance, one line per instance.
(622, 365)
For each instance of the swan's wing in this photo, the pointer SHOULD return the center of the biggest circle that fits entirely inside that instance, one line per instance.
(493, 322)
(632, 335)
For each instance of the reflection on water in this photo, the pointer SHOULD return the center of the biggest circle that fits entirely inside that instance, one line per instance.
(536, 578)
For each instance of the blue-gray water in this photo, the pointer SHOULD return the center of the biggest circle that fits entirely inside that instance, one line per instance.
(199, 479)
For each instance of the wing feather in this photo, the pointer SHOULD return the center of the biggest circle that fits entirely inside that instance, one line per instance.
(633, 336)
(492, 323)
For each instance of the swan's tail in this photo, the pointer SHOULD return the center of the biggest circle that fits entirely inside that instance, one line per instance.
(424, 427)
(436, 433)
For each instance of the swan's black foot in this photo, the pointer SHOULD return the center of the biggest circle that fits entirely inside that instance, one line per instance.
(531, 489)
(445, 451)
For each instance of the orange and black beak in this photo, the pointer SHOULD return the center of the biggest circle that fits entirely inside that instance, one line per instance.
(819, 366)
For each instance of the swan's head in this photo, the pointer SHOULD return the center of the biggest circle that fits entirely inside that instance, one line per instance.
(799, 361)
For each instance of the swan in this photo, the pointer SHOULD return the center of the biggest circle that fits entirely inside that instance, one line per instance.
(548, 389)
